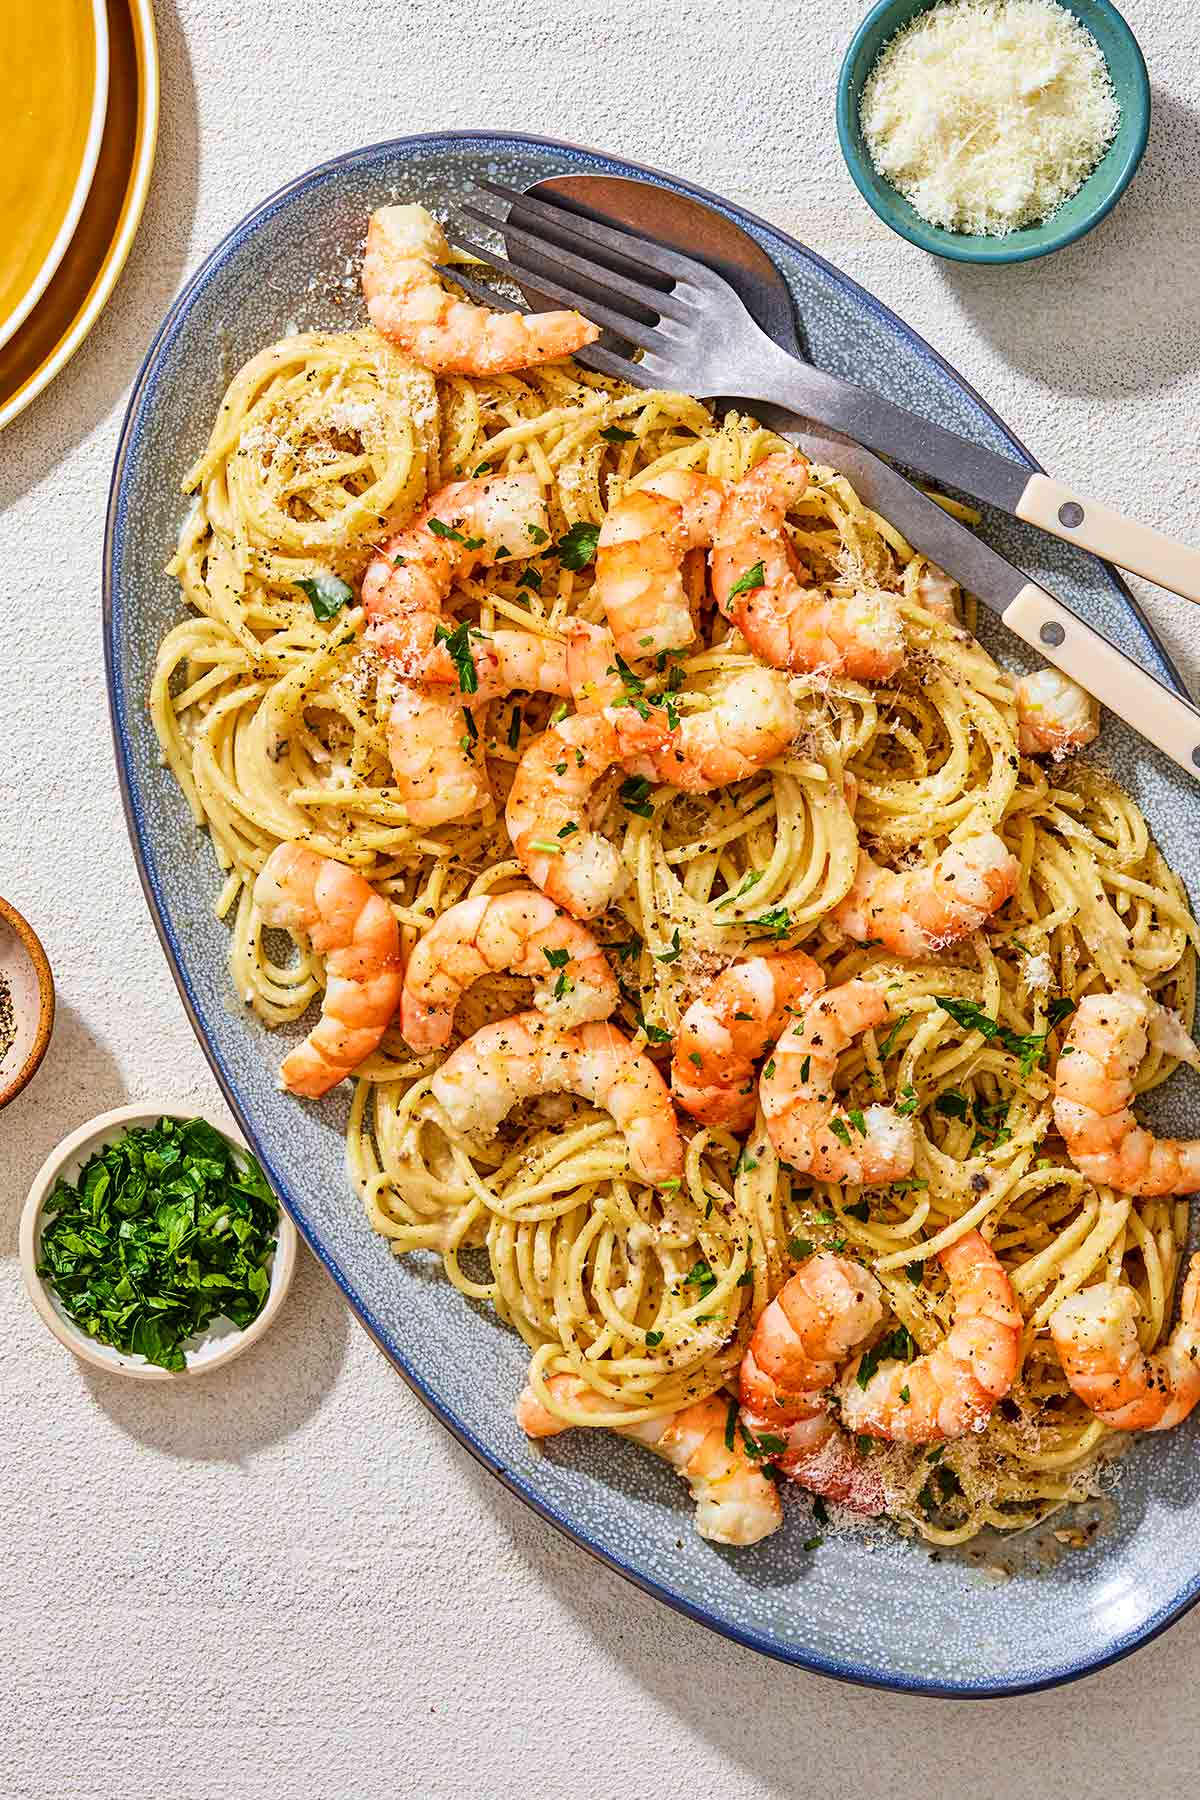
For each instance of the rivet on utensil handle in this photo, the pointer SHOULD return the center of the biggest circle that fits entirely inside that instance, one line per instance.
(1098, 528)
(1171, 724)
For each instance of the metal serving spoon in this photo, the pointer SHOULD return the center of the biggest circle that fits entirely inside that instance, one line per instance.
(658, 214)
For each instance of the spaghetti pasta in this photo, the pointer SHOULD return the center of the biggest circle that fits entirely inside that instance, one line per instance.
(272, 719)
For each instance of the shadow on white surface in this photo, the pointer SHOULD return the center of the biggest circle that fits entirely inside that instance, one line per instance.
(261, 1398)
(1117, 313)
(771, 1720)
(100, 374)
(79, 1078)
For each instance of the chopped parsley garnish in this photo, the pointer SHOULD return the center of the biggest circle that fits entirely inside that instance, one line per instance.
(442, 530)
(952, 1104)
(558, 959)
(897, 1346)
(805, 1066)
(531, 578)
(537, 534)
(457, 645)
(569, 829)
(327, 593)
(776, 923)
(701, 1276)
(162, 1231)
(730, 1423)
(632, 795)
(861, 1210)
(613, 434)
(889, 1042)
(577, 548)
(813, 1543)
(799, 1248)
(858, 1120)
(563, 986)
(674, 953)
(483, 468)
(626, 951)
(748, 881)
(1029, 1047)
(655, 1033)
(747, 581)
(907, 1103)
(653, 1339)
(841, 1131)
(516, 720)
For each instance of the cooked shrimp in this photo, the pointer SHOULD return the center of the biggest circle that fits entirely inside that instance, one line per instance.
(736, 1503)
(755, 582)
(795, 1091)
(355, 930)
(639, 559)
(735, 1021)
(548, 808)
(938, 593)
(1054, 715)
(916, 911)
(1093, 1094)
(463, 526)
(525, 1057)
(408, 304)
(522, 932)
(1095, 1334)
(951, 1389)
(593, 676)
(749, 724)
(817, 1319)
(501, 661)
(437, 765)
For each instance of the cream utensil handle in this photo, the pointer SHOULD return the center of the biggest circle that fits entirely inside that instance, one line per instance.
(1114, 678)
(1109, 534)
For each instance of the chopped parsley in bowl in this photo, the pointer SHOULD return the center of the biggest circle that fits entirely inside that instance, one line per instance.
(152, 1244)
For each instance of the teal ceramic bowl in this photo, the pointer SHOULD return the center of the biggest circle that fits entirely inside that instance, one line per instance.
(1095, 199)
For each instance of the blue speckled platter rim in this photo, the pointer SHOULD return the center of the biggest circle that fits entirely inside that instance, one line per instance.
(112, 621)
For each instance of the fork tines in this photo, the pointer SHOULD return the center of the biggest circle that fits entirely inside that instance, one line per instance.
(593, 356)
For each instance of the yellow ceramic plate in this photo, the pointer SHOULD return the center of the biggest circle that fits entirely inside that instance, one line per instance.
(54, 93)
(96, 254)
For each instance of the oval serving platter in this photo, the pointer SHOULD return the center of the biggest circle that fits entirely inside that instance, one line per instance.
(885, 1615)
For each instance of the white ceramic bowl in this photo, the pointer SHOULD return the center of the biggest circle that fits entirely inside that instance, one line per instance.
(222, 1341)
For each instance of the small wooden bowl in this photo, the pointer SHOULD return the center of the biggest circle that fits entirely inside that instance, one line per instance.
(223, 1340)
(25, 972)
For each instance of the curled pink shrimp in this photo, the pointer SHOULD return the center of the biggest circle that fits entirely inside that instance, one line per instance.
(951, 1389)
(729, 1027)
(550, 803)
(817, 1319)
(1095, 1334)
(756, 584)
(1093, 1097)
(522, 1058)
(808, 1128)
(355, 930)
(522, 932)
(639, 559)
(736, 1503)
(1054, 715)
(917, 911)
(408, 304)
(463, 526)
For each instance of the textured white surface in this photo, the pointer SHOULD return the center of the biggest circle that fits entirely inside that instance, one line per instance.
(287, 1579)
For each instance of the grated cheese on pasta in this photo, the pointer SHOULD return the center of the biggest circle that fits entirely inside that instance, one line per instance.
(988, 114)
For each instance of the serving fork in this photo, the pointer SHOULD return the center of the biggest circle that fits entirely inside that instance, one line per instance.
(696, 335)
(704, 342)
